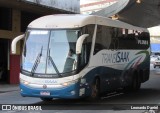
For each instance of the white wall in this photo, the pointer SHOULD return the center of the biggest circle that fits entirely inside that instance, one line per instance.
(68, 5)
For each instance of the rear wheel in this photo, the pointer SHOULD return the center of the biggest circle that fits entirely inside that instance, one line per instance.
(46, 99)
(135, 84)
(95, 89)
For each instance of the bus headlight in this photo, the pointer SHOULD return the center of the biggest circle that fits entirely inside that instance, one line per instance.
(24, 82)
(69, 83)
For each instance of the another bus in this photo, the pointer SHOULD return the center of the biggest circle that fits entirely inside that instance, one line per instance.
(75, 56)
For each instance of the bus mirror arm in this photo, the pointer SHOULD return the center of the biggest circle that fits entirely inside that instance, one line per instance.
(80, 42)
(14, 43)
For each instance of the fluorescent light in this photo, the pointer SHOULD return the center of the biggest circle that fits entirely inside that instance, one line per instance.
(138, 1)
(114, 17)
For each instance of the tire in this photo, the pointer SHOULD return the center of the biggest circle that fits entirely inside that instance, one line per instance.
(95, 89)
(154, 66)
(46, 99)
(135, 84)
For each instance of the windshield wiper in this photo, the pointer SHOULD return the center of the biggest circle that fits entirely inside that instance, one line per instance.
(37, 61)
(55, 67)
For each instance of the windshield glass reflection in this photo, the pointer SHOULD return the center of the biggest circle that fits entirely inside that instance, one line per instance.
(58, 53)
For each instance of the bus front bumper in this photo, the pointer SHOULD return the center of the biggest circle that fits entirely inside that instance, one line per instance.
(68, 92)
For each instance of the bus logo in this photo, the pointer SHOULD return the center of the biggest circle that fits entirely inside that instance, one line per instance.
(44, 86)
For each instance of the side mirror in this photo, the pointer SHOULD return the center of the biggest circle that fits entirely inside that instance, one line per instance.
(80, 42)
(14, 43)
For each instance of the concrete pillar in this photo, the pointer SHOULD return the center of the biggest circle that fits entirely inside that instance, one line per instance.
(16, 20)
(15, 59)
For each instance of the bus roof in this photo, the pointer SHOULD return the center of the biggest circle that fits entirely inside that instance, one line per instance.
(60, 21)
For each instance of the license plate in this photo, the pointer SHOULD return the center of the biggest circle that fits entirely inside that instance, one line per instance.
(45, 93)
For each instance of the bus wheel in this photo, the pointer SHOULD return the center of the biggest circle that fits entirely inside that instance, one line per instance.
(46, 99)
(138, 86)
(95, 89)
(136, 83)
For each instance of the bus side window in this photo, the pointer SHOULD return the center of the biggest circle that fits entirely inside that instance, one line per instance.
(97, 48)
(114, 44)
(144, 37)
(86, 48)
(130, 39)
(103, 38)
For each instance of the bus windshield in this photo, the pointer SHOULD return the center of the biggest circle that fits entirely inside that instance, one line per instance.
(50, 51)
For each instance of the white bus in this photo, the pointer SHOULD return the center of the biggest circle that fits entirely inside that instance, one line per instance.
(76, 56)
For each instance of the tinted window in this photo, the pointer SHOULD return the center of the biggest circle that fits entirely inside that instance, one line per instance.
(86, 48)
(104, 35)
(119, 38)
(130, 39)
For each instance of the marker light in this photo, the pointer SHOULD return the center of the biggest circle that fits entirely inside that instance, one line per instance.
(69, 83)
(24, 82)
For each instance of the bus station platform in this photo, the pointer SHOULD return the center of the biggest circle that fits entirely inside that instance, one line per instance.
(8, 88)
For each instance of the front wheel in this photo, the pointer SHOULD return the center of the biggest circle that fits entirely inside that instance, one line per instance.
(154, 66)
(95, 89)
